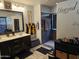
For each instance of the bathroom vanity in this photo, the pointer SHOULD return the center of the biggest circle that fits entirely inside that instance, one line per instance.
(12, 46)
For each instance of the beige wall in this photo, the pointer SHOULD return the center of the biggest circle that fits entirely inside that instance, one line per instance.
(37, 19)
(28, 2)
(68, 22)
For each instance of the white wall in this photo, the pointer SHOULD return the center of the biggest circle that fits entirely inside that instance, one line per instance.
(68, 21)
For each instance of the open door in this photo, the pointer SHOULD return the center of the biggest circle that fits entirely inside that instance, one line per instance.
(48, 26)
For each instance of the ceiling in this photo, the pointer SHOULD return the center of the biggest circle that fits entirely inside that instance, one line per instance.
(43, 2)
(50, 2)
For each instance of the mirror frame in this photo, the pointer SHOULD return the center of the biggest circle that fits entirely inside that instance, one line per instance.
(22, 20)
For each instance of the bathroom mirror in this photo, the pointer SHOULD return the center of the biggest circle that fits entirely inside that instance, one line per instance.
(11, 21)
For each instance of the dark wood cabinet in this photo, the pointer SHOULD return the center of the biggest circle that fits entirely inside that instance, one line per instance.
(13, 47)
(66, 50)
(61, 55)
(72, 56)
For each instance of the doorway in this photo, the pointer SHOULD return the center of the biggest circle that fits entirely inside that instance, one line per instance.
(48, 27)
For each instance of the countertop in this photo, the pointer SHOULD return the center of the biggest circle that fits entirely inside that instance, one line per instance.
(12, 37)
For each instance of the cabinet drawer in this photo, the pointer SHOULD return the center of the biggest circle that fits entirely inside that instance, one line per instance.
(72, 56)
(61, 54)
(16, 49)
(6, 51)
(17, 41)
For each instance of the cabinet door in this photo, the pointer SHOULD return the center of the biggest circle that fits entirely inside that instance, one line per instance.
(5, 52)
(5, 48)
(26, 42)
(61, 54)
(72, 56)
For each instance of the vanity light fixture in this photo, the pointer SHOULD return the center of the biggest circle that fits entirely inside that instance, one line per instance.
(56, 3)
(18, 5)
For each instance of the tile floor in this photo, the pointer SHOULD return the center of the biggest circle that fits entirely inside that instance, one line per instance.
(37, 55)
